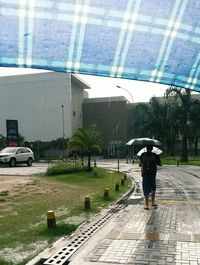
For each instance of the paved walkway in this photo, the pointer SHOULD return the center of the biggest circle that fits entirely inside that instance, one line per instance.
(154, 237)
(167, 235)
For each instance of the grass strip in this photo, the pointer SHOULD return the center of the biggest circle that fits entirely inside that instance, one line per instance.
(23, 220)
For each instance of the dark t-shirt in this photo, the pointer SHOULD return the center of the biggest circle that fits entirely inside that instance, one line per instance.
(149, 163)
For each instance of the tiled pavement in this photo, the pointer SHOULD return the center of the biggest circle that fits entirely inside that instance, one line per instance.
(137, 238)
(167, 235)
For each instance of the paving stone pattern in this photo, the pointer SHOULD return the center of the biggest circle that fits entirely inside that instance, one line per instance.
(167, 235)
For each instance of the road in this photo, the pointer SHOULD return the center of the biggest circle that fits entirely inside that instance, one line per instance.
(24, 170)
(127, 234)
(11, 177)
(177, 182)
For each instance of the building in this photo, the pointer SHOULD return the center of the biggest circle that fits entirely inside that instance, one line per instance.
(110, 117)
(46, 105)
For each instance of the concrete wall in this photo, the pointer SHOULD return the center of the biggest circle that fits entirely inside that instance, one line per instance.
(35, 101)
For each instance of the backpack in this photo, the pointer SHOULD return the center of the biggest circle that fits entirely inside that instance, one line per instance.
(149, 161)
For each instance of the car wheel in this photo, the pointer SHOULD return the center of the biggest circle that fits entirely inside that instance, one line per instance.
(30, 162)
(12, 162)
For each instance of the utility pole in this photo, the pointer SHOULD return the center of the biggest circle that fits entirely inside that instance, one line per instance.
(117, 134)
(63, 136)
(132, 123)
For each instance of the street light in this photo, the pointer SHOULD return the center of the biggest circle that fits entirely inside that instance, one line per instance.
(117, 132)
(127, 92)
(63, 138)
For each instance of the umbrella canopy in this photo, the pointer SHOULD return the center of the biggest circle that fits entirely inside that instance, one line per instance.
(156, 41)
(155, 150)
(130, 142)
(144, 142)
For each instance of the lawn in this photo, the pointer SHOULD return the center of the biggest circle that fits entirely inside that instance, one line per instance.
(194, 161)
(23, 210)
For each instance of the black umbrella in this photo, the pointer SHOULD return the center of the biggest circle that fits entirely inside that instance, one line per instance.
(144, 142)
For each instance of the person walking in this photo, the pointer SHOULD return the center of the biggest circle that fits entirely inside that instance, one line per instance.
(148, 164)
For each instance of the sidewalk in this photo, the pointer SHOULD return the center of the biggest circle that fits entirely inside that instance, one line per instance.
(134, 236)
(167, 235)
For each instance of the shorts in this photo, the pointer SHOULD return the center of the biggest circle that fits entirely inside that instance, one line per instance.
(148, 184)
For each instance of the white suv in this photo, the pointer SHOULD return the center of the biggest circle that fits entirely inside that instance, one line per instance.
(15, 155)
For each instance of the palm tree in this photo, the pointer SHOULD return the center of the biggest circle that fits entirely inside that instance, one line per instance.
(87, 140)
(184, 101)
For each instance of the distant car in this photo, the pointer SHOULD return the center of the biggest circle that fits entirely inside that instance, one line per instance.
(16, 155)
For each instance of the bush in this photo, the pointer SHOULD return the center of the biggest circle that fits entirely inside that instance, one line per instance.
(64, 168)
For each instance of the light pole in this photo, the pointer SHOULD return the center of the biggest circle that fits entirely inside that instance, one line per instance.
(127, 92)
(63, 138)
(117, 132)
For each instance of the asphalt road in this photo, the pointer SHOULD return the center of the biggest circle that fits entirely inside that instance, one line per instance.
(181, 182)
(24, 170)
(177, 182)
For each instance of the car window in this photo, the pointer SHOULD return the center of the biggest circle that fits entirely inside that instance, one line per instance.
(19, 151)
(8, 150)
(25, 150)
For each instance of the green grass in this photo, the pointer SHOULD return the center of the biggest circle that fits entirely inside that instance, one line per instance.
(23, 212)
(3, 262)
(173, 161)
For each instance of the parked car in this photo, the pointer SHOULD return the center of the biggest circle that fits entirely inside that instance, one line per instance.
(16, 155)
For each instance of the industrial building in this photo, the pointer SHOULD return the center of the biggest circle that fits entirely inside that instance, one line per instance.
(46, 105)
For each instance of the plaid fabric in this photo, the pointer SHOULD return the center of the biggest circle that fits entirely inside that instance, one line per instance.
(150, 40)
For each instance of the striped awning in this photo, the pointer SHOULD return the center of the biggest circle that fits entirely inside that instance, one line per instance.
(149, 40)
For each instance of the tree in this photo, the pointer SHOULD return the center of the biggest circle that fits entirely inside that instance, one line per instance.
(184, 101)
(140, 117)
(171, 125)
(156, 114)
(3, 141)
(87, 140)
(195, 124)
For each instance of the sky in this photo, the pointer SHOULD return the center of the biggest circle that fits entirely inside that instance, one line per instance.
(134, 91)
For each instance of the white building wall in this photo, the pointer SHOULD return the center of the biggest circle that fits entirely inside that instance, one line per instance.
(35, 101)
(76, 113)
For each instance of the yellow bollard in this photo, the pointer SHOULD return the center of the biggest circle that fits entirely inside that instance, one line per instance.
(117, 187)
(106, 193)
(51, 220)
(122, 181)
(87, 202)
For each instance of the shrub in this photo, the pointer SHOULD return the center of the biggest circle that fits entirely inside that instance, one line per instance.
(64, 168)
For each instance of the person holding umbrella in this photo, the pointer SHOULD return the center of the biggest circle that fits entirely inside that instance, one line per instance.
(148, 164)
